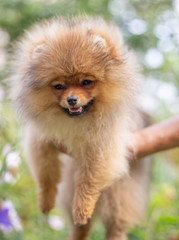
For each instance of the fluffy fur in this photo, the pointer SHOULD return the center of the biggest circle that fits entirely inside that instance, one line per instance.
(85, 59)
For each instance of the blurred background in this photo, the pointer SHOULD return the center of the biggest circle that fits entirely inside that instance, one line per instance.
(151, 29)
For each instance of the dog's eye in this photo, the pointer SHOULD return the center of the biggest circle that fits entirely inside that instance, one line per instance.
(59, 87)
(86, 82)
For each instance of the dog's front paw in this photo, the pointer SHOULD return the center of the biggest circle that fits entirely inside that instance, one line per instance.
(81, 214)
(83, 206)
(46, 200)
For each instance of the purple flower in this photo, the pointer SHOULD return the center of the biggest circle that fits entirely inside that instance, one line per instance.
(9, 220)
(5, 223)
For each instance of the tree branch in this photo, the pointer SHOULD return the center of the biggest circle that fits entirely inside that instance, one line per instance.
(156, 138)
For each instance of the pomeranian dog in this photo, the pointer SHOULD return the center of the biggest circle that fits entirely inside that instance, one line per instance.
(74, 85)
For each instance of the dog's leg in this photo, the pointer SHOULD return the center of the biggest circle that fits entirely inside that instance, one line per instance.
(42, 157)
(123, 204)
(80, 232)
(114, 232)
(84, 201)
(116, 229)
(88, 186)
(117, 236)
(94, 175)
(110, 211)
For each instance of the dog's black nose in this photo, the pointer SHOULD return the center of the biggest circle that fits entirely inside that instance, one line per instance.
(72, 101)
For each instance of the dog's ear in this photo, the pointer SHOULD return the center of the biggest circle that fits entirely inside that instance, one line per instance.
(97, 39)
(102, 43)
(38, 49)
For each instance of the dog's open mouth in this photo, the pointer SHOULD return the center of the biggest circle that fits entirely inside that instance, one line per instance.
(78, 111)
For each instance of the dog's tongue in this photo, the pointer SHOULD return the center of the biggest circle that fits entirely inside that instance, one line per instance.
(78, 109)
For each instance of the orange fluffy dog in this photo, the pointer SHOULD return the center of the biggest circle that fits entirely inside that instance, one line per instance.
(74, 87)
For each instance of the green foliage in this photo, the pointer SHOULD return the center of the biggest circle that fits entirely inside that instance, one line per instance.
(17, 15)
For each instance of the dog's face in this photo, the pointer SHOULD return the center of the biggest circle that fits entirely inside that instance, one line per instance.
(75, 94)
(69, 84)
